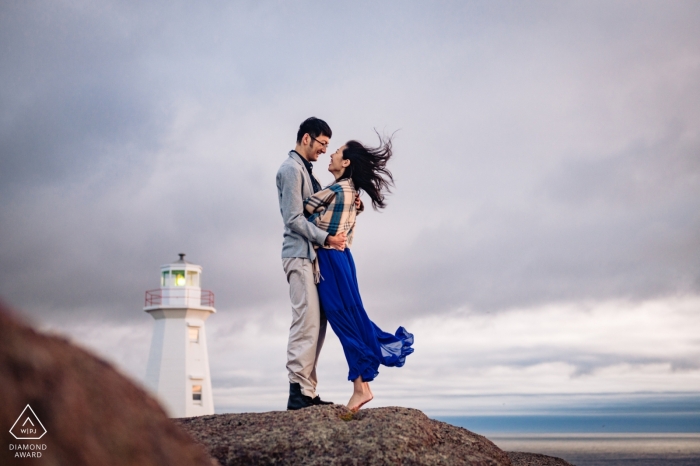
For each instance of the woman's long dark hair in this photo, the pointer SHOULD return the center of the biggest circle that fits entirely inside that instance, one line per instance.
(368, 171)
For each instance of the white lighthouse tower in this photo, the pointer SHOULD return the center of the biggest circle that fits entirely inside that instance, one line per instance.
(178, 364)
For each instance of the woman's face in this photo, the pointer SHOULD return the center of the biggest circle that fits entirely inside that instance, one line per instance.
(338, 164)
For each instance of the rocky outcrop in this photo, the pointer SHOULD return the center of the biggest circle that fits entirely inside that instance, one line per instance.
(519, 458)
(332, 435)
(93, 415)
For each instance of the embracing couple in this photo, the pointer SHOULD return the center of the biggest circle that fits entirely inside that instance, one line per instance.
(318, 229)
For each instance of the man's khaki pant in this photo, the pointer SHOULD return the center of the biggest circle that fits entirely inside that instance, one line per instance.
(308, 329)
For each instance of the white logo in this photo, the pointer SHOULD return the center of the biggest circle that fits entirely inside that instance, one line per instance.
(28, 426)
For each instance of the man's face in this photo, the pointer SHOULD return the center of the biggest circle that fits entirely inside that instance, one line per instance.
(315, 146)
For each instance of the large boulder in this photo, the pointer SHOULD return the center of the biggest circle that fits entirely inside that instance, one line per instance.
(332, 435)
(92, 414)
(519, 458)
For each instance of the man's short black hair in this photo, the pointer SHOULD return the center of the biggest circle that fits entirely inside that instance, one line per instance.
(315, 127)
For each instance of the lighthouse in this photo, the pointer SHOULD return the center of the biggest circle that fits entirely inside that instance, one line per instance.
(178, 363)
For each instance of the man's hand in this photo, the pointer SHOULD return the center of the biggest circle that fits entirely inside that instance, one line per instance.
(337, 241)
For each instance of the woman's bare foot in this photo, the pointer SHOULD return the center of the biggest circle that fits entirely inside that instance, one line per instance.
(356, 402)
(361, 395)
(371, 395)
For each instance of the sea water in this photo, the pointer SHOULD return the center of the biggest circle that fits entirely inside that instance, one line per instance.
(641, 440)
(615, 449)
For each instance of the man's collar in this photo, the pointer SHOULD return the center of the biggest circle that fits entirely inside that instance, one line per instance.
(306, 163)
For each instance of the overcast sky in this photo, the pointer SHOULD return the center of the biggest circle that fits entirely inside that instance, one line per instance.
(542, 240)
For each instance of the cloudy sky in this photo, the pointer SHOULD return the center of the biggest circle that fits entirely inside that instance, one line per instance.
(542, 241)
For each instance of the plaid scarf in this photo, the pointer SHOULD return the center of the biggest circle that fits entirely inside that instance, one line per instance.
(333, 209)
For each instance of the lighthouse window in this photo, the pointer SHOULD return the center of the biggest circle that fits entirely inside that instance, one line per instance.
(179, 277)
(194, 334)
(164, 278)
(196, 393)
(192, 278)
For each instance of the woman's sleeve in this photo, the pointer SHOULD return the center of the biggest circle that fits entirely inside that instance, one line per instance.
(318, 202)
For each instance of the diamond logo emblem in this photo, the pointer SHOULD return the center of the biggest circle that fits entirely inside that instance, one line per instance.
(28, 426)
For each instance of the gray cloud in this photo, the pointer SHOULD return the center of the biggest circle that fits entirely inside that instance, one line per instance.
(546, 152)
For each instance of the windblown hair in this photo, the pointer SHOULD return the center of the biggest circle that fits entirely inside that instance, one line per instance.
(368, 171)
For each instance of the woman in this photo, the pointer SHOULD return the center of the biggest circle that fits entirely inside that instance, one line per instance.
(356, 168)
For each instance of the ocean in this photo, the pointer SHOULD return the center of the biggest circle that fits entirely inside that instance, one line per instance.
(644, 440)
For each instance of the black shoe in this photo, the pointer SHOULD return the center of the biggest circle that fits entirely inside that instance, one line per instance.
(318, 401)
(296, 399)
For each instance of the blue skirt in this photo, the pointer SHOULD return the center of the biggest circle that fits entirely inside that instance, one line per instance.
(365, 345)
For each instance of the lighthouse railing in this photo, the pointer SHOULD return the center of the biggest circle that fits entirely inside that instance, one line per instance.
(179, 297)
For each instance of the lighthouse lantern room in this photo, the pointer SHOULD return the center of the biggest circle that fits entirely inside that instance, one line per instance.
(178, 363)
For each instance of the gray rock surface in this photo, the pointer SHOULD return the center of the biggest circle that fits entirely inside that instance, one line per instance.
(93, 415)
(331, 435)
(519, 458)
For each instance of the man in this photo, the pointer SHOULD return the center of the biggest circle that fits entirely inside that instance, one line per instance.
(296, 182)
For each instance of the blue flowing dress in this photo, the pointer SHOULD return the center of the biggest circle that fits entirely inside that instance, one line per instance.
(365, 345)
